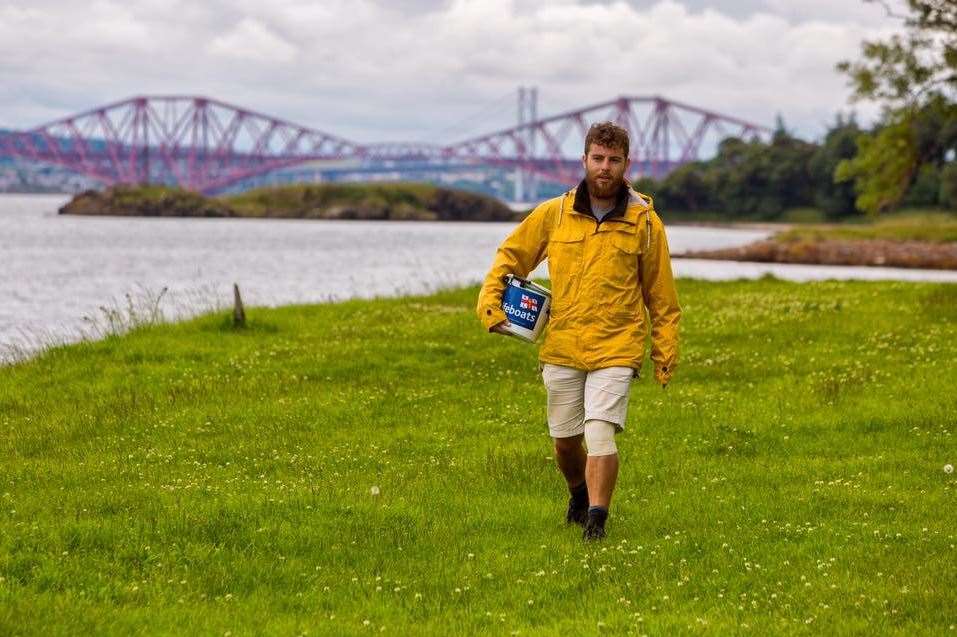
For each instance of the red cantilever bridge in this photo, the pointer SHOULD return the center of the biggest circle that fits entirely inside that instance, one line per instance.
(207, 145)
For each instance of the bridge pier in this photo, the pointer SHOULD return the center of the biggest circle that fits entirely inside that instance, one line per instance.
(527, 116)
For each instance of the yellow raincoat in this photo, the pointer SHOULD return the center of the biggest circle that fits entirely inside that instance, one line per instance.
(603, 276)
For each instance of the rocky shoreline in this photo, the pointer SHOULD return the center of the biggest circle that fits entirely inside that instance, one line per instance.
(860, 252)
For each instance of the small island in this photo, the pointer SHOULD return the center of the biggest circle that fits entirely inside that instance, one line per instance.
(386, 201)
(912, 240)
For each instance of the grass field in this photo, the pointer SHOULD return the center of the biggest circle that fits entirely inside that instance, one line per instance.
(383, 467)
(934, 227)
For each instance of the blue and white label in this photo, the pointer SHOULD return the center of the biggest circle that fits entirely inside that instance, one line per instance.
(522, 306)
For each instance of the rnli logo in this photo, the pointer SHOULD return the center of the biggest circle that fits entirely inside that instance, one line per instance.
(522, 307)
(521, 317)
(511, 310)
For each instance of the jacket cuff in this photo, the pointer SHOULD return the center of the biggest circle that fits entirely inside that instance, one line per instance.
(663, 374)
(492, 316)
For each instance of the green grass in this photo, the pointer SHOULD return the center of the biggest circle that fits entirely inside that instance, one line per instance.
(292, 198)
(396, 201)
(930, 226)
(190, 478)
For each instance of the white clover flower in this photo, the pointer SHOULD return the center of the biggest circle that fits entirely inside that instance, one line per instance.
(948, 468)
(374, 490)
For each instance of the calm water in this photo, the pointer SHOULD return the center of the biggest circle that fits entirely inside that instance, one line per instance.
(56, 270)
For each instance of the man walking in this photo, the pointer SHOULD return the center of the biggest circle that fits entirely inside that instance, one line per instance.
(608, 260)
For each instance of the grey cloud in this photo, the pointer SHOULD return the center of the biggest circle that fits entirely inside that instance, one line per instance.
(738, 9)
(803, 11)
(378, 70)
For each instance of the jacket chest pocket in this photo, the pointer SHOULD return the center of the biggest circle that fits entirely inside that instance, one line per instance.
(621, 253)
(618, 273)
(565, 255)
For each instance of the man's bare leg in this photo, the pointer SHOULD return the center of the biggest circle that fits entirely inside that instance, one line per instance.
(601, 473)
(571, 459)
(570, 456)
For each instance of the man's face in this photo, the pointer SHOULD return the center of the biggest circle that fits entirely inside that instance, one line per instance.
(605, 170)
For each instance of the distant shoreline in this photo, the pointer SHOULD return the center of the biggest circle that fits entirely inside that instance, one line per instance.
(370, 202)
(911, 254)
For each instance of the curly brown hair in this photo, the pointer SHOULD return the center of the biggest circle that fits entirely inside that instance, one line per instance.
(608, 134)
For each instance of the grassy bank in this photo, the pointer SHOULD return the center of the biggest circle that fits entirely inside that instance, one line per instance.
(377, 201)
(909, 240)
(929, 227)
(383, 467)
(906, 223)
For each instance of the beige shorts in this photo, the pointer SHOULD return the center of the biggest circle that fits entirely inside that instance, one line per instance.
(575, 396)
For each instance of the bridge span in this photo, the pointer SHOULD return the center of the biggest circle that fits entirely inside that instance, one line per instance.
(208, 145)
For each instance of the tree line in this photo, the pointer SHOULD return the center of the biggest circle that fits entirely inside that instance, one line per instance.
(905, 160)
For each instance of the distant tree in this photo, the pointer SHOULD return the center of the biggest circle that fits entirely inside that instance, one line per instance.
(914, 77)
(948, 186)
(687, 188)
(925, 190)
(883, 167)
(760, 180)
(750, 179)
(902, 71)
(835, 199)
(790, 168)
(935, 129)
(646, 185)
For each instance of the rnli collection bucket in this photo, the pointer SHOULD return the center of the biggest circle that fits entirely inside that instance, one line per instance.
(526, 306)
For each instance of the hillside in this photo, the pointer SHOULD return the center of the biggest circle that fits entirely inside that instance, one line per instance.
(393, 201)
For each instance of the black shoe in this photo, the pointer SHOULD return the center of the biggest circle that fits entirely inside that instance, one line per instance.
(593, 531)
(595, 525)
(577, 505)
(576, 514)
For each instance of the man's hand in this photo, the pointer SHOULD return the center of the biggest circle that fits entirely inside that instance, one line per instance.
(500, 328)
(663, 376)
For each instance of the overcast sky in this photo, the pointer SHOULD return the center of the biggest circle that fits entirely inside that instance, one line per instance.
(435, 70)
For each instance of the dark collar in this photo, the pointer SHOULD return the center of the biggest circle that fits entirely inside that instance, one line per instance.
(583, 201)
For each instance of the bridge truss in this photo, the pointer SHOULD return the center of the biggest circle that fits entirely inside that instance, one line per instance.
(207, 145)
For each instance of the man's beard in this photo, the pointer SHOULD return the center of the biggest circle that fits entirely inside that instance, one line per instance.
(604, 189)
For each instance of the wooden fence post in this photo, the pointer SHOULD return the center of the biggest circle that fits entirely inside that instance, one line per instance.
(239, 314)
